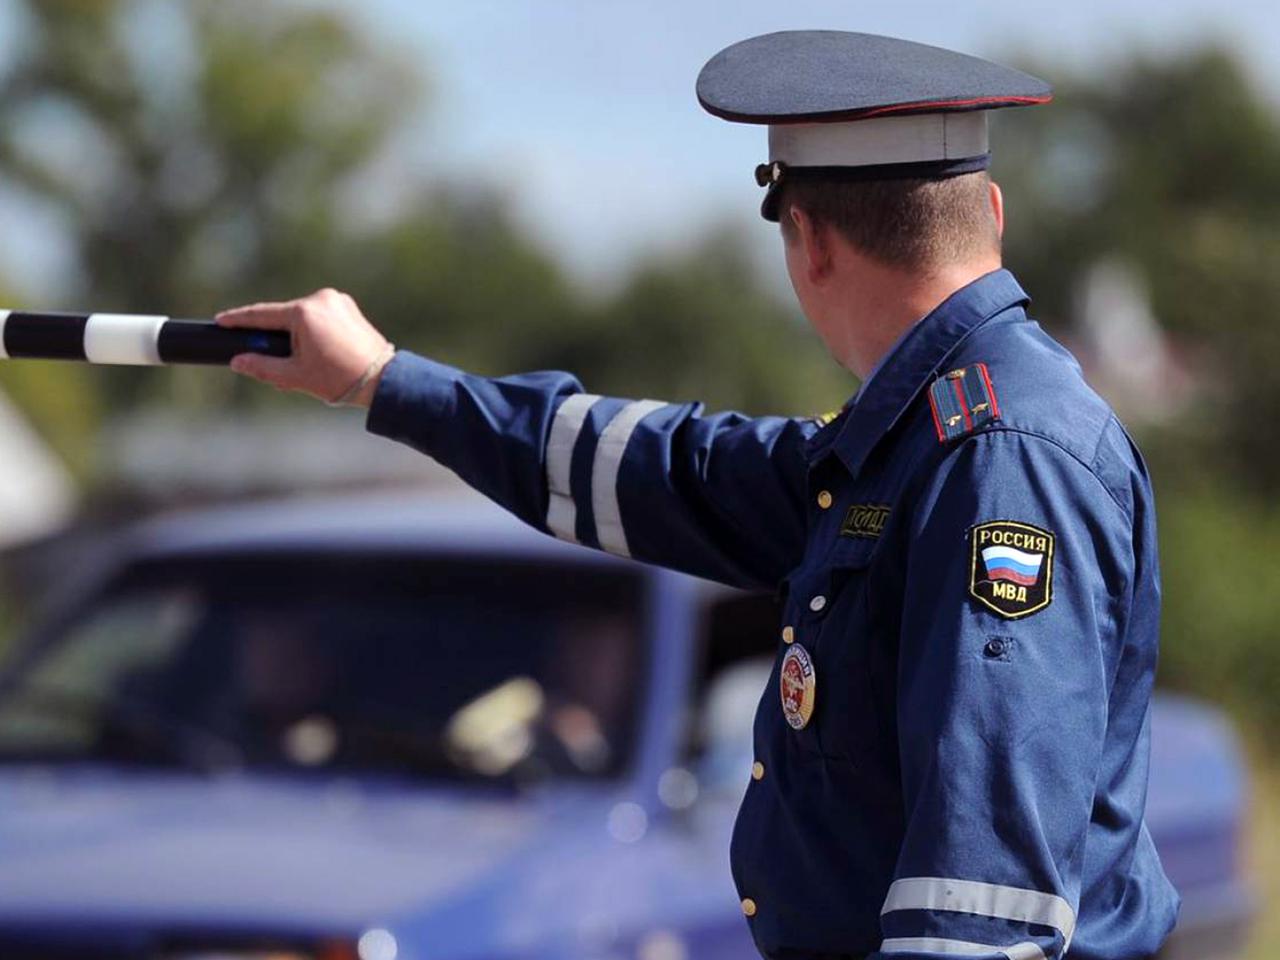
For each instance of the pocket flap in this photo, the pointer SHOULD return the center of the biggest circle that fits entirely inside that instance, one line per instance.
(816, 591)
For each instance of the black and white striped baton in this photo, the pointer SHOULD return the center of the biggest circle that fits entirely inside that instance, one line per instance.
(127, 338)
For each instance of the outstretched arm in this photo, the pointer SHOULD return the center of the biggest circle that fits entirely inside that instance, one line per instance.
(719, 496)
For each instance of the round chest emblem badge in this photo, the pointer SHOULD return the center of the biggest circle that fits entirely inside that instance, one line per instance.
(799, 685)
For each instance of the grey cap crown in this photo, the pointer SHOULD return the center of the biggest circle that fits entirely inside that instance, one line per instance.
(798, 76)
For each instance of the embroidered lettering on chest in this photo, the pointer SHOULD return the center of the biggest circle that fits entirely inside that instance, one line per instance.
(865, 520)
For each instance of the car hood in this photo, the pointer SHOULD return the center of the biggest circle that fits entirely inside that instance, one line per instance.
(93, 846)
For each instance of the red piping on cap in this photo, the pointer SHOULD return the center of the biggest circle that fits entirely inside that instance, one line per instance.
(844, 116)
(928, 106)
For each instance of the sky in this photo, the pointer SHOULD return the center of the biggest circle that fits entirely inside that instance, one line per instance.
(584, 111)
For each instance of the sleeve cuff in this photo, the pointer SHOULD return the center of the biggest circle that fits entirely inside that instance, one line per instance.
(413, 393)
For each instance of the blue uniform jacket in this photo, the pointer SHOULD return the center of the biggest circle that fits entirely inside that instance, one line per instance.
(952, 750)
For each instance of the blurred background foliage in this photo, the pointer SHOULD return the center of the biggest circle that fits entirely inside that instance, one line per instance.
(241, 175)
(239, 172)
(1173, 168)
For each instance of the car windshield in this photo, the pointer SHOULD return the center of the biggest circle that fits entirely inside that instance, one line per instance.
(448, 667)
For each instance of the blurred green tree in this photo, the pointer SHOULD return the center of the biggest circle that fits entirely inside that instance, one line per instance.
(1173, 166)
(196, 159)
(220, 151)
(701, 328)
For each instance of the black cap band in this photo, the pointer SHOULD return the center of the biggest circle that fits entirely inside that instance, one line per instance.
(774, 174)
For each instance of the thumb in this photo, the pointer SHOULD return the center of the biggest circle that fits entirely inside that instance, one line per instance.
(273, 370)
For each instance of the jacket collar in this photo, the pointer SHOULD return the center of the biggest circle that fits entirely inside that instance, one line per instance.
(911, 366)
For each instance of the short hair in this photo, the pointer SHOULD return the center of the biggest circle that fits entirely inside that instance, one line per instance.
(916, 224)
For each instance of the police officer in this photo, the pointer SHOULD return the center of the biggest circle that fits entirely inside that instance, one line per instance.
(951, 754)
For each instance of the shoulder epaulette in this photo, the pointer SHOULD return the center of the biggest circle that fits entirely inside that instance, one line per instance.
(962, 401)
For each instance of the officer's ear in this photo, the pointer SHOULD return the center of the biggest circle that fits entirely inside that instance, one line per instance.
(997, 206)
(811, 241)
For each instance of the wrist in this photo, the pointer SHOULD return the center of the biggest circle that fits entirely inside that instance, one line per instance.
(361, 393)
(364, 396)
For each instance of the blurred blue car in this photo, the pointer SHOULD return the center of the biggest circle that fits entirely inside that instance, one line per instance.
(413, 729)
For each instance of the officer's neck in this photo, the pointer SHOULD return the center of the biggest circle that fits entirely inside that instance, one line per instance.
(880, 303)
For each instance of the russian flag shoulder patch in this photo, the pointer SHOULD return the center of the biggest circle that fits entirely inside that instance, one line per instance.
(962, 402)
(1011, 567)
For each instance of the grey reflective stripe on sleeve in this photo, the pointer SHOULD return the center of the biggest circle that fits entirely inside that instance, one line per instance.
(4, 315)
(960, 948)
(604, 474)
(1024, 951)
(983, 899)
(562, 514)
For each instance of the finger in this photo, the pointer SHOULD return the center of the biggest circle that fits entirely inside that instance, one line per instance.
(264, 316)
(277, 371)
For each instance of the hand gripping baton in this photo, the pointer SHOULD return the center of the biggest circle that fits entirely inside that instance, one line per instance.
(123, 338)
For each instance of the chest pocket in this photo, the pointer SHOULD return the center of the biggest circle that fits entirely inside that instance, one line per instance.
(829, 612)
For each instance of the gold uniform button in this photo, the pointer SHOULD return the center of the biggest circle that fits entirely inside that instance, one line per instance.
(788, 634)
(825, 499)
(749, 907)
(757, 771)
